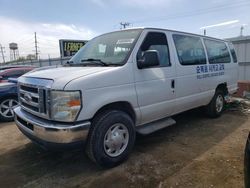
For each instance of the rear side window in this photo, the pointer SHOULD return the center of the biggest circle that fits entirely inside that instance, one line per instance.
(156, 41)
(217, 52)
(189, 49)
(233, 52)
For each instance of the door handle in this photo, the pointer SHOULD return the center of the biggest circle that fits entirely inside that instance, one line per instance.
(172, 84)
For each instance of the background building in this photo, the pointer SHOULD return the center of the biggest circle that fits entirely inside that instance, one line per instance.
(242, 48)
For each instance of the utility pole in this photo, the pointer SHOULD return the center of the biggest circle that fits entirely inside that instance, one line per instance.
(205, 32)
(36, 46)
(2, 48)
(241, 30)
(124, 25)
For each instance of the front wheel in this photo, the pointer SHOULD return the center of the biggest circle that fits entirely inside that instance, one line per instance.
(111, 138)
(216, 106)
(6, 108)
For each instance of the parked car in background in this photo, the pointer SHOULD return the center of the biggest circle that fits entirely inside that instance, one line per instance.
(8, 90)
(8, 100)
(13, 73)
(247, 163)
(14, 66)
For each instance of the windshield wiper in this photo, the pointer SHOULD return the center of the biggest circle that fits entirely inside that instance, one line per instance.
(94, 61)
(90, 61)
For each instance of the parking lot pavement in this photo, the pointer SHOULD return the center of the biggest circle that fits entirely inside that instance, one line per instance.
(196, 152)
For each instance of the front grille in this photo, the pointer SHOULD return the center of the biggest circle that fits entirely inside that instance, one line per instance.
(33, 99)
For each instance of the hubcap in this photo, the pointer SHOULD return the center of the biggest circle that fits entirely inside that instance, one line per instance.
(116, 140)
(219, 103)
(6, 108)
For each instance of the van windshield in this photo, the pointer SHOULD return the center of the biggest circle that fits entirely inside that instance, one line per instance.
(108, 49)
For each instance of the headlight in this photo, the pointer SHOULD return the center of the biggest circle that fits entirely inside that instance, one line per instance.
(65, 105)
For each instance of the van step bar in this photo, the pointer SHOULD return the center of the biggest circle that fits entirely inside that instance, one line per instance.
(155, 126)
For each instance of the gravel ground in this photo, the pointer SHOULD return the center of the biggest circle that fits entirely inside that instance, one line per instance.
(196, 152)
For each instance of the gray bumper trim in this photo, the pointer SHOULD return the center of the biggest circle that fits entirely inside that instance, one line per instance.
(51, 131)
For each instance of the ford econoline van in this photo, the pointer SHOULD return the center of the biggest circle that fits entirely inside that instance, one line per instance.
(121, 83)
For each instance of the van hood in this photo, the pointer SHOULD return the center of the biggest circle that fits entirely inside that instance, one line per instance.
(62, 75)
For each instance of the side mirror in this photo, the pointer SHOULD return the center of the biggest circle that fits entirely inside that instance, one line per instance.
(150, 58)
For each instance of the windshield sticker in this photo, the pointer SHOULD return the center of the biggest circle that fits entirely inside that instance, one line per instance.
(125, 41)
(206, 71)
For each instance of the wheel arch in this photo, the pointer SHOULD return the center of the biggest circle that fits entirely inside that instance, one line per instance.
(10, 95)
(222, 87)
(119, 105)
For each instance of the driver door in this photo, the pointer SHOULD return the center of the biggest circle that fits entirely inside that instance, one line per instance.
(155, 86)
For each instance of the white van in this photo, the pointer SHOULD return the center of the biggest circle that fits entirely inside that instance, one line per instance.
(125, 82)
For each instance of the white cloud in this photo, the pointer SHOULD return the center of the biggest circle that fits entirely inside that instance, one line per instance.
(48, 35)
(221, 24)
(134, 3)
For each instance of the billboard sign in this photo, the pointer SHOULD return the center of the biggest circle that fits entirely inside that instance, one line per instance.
(68, 48)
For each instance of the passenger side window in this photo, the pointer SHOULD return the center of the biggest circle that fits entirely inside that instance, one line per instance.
(217, 51)
(233, 52)
(156, 41)
(189, 49)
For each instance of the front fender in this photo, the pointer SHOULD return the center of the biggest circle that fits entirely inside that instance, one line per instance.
(95, 99)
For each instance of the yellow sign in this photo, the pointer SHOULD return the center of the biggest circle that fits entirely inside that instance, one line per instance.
(69, 48)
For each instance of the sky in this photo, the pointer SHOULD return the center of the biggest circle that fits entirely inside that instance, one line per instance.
(84, 19)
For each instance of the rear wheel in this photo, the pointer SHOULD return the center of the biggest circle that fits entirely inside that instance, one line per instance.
(111, 138)
(6, 108)
(216, 106)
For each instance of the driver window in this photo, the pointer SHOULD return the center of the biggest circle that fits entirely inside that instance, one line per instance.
(156, 41)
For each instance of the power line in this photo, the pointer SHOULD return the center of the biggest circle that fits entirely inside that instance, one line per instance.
(27, 49)
(50, 44)
(193, 13)
(49, 47)
(48, 40)
(24, 39)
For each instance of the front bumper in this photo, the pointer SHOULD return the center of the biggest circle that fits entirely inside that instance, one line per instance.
(45, 131)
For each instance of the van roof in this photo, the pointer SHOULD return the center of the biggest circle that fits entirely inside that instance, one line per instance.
(183, 32)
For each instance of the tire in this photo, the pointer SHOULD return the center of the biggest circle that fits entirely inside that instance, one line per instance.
(247, 164)
(216, 106)
(111, 138)
(6, 108)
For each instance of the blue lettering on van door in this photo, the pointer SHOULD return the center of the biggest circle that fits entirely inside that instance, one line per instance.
(206, 71)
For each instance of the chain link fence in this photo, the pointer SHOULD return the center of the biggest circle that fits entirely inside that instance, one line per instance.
(39, 62)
